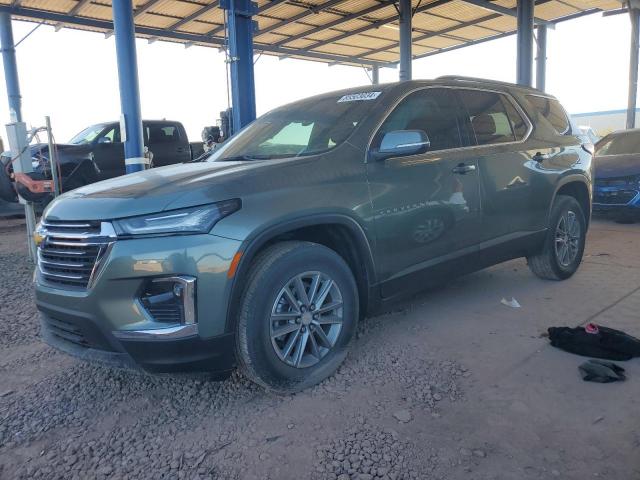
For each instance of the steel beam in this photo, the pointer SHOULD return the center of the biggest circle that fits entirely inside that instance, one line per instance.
(633, 67)
(74, 11)
(336, 22)
(524, 57)
(295, 18)
(10, 67)
(509, 12)
(496, 37)
(541, 58)
(131, 124)
(240, 30)
(376, 24)
(195, 38)
(405, 14)
(193, 16)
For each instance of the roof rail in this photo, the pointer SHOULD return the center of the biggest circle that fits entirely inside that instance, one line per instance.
(463, 78)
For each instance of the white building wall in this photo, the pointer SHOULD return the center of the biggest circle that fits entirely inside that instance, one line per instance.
(605, 122)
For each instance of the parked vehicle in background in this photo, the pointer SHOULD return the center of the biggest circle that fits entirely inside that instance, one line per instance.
(617, 175)
(318, 213)
(94, 154)
(590, 133)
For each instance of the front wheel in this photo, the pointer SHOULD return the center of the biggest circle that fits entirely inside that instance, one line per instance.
(298, 314)
(564, 244)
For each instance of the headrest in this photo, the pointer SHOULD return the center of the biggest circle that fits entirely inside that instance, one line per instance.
(484, 124)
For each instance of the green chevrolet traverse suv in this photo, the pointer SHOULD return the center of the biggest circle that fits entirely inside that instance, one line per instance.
(320, 212)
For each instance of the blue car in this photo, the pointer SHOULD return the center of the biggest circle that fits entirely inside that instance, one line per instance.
(617, 171)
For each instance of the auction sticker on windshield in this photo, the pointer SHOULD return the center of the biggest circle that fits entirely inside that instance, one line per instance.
(356, 97)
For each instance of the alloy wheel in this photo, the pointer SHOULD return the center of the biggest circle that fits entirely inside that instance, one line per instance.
(306, 319)
(567, 238)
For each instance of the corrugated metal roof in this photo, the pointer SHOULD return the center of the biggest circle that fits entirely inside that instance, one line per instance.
(355, 32)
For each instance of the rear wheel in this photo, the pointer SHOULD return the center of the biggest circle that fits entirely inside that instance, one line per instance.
(564, 244)
(298, 315)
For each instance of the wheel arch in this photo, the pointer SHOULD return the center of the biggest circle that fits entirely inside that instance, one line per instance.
(576, 186)
(339, 232)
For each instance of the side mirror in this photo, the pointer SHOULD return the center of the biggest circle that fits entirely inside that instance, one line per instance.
(402, 143)
(104, 140)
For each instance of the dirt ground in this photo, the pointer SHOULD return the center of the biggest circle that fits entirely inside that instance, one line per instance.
(452, 385)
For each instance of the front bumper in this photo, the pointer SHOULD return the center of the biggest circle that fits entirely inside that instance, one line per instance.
(107, 322)
(623, 198)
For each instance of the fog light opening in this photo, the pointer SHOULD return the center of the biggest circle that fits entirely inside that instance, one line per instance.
(170, 299)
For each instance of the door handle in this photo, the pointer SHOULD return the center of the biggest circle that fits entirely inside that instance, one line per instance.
(541, 157)
(462, 169)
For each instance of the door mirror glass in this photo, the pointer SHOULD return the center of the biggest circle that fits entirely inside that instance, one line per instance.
(104, 140)
(402, 143)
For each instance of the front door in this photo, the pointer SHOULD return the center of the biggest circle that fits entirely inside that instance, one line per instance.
(108, 153)
(426, 206)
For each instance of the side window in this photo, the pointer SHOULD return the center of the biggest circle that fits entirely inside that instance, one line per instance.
(519, 125)
(488, 116)
(551, 109)
(433, 110)
(112, 135)
(162, 134)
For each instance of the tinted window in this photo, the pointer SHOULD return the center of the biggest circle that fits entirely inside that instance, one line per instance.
(112, 134)
(551, 109)
(519, 125)
(433, 110)
(488, 117)
(162, 133)
(619, 144)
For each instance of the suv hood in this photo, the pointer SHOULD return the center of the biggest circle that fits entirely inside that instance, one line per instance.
(609, 166)
(61, 148)
(155, 190)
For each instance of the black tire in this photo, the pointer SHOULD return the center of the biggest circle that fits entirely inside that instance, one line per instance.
(546, 263)
(270, 272)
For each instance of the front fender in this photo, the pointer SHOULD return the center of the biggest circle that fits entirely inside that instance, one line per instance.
(258, 239)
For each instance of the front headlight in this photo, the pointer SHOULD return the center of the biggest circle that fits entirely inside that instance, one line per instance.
(199, 219)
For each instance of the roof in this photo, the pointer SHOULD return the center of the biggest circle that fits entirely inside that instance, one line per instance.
(354, 32)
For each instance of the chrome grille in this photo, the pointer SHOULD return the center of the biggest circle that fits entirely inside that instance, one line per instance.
(71, 252)
(614, 197)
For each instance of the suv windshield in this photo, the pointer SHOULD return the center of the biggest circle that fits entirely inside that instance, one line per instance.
(304, 128)
(619, 144)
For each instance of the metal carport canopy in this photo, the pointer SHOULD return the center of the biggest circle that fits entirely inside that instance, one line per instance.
(352, 32)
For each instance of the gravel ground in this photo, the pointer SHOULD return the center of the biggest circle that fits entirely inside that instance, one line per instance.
(452, 385)
(17, 309)
(60, 418)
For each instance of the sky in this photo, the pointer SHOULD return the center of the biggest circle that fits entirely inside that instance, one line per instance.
(71, 75)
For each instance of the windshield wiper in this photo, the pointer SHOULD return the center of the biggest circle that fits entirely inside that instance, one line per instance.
(240, 158)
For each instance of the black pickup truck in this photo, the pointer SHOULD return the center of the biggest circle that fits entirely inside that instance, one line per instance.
(94, 154)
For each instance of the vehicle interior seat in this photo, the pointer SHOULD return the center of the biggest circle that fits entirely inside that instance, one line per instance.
(484, 126)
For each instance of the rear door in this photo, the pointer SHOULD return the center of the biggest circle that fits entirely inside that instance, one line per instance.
(165, 140)
(426, 206)
(500, 130)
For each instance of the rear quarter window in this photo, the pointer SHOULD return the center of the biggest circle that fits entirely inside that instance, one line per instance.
(551, 109)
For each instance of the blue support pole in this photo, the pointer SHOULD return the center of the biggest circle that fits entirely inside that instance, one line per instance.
(375, 75)
(633, 67)
(240, 28)
(541, 58)
(524, 56)
(10, 66)
(405, 39)
(129, 90)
